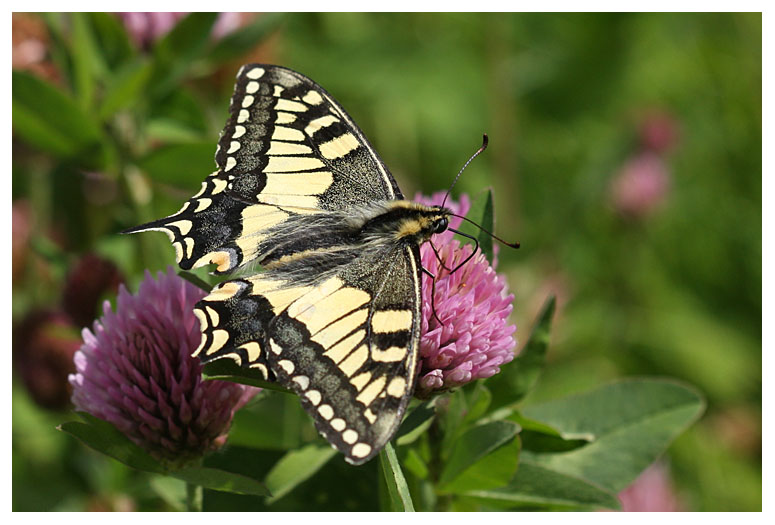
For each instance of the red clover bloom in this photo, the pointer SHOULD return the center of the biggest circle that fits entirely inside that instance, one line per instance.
(474, 305)
(135, 370)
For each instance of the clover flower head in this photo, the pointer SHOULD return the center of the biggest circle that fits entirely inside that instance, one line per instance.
(135, 370)
(473, 304)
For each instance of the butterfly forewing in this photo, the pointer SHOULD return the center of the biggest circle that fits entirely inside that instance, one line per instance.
(287, 149)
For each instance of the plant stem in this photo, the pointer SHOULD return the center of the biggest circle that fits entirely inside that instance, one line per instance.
(193, 498)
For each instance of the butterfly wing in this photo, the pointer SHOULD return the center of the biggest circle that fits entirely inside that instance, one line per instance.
(288, 149)
(346, 343)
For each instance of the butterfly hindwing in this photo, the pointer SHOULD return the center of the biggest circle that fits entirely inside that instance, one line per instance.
(234, 318)
(348, 348)
(346, 343)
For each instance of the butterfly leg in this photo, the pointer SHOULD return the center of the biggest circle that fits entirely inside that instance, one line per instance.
(433, 294)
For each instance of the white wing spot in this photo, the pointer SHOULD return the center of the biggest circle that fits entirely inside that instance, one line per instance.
(361, 450)
(189, 242)
(275, 347)
(244, 114)
(230, 163)
(314, 397)
(338, 424)
(312, 97)
(248, 101)
(350, 436)
(302, 381)
(326, 411)
(203, 204)
(238, 132)
(234, 146)
(397, 387)
(252, 87)
(287, 366)
(255, 73)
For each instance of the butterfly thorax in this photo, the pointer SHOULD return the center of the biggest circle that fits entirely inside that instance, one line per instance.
(404, 222)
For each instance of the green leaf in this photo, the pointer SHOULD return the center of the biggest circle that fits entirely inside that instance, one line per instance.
(632, 421)
(494, 470)
(534, 485)
(48, 119)
(296, 467)
(478, 400)
(475, 444)
(171, 490)
(244, 39)
(540, 442)
(181, 113)
(453, 415)
(291, 426)
(107, 439)
(481, 212)
(416, 423)
(173, 54)
(228, 370)
(126, 87)
(111, 37)
(179, 164)
(217, 479)
(398, 490)
(195, 280)
(518, 378)
(87, 62)
(415, 464)
(487, 222)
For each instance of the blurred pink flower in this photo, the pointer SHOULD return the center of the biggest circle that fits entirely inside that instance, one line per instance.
(136, 371)
(30, 46)
(146, 28)
(43, 347)
(90, 278)
(659, 132)
(651, 492)
(474, 305)
(641, 185)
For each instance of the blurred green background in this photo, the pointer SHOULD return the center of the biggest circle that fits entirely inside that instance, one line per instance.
(625, 156)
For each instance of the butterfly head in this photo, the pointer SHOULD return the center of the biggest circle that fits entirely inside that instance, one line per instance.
(418, 222)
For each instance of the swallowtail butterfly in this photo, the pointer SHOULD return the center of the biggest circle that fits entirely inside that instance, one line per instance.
(335, 315)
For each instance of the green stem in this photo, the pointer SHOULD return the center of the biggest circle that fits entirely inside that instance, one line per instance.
(193, 498)
(436, 437)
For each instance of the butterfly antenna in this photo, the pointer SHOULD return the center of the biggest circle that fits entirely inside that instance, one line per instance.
(473, 252)
(507, 243)
(483, 147)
